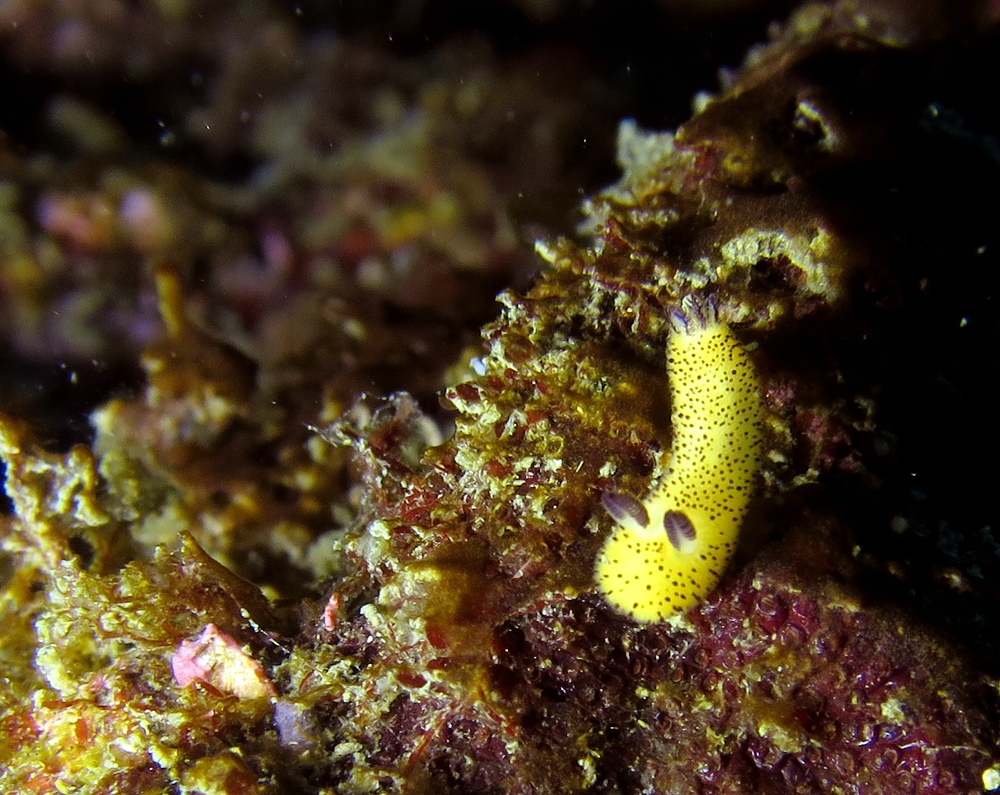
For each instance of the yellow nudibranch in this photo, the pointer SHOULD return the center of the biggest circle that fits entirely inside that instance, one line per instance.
(669, 550)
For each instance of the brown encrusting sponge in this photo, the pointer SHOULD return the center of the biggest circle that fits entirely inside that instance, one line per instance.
(762, 364)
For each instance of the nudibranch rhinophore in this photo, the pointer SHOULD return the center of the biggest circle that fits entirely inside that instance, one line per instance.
(669, 550)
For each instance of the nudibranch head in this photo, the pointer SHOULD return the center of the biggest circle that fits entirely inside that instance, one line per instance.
(669, 550)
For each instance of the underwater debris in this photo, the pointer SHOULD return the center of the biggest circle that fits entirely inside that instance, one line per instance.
(215, 659)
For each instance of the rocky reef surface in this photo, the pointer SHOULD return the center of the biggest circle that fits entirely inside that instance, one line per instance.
(279, 565)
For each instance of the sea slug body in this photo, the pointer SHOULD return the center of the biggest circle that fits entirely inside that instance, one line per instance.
(669, 550)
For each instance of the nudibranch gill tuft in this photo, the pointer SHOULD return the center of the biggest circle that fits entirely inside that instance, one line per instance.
(669, 550)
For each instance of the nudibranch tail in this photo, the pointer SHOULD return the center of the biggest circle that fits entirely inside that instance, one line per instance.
(669, 550)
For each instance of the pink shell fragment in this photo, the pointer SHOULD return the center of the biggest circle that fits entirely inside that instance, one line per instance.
(216, 659)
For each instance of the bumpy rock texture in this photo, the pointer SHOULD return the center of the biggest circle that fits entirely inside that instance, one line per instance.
(837, 202)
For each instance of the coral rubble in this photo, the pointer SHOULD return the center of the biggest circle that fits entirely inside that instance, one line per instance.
(261, 576)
